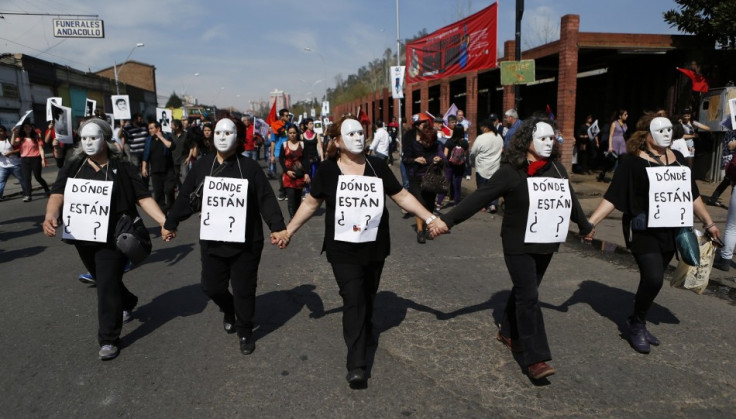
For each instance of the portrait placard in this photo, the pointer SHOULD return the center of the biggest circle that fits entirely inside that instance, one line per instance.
(49, 101)
(62, 117)
(91, 106)
(163, 116)
(86, 209)
(120, 106)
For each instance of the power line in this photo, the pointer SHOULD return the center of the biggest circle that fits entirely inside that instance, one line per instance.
(46, 14)
(43, 52)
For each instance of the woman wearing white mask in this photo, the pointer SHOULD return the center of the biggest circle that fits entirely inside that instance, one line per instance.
(540, 203)
(653, 212)
(357, 239)
(235, 197)
(96, 168)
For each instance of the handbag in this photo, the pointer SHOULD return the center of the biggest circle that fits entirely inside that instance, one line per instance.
(695, 278)
(132, 238)
(687, 246)
(434, 179)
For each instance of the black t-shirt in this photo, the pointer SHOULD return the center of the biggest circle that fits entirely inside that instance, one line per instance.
(324, 186)
(119, 202)
(159, 156)
(629, 193)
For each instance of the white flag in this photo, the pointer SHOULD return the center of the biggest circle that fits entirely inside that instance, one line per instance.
(397, 81)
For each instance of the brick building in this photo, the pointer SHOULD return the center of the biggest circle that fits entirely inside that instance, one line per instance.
(581, 73)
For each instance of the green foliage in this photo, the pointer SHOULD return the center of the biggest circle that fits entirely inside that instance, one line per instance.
(174, 101)
(712, 20)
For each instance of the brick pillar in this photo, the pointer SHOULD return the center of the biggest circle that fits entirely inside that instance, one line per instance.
(509, 99)
(424, 95)
(567, 77)
(408, 95)
(471, 103)
(444, 95)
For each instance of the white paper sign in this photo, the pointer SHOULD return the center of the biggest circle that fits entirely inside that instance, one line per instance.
(62, 117)
(325, 108)
(397, 81)
(49, 101)
(670, 197)
(318, 126)
(358, 208)
(163, 116)
(550, 205)
(86, 209)
(91, 106)
(120, 106)
(224, 203)
(23, 118)
(732, 109)
(312, 113)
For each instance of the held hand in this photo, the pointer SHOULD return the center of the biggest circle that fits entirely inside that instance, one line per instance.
(437, 227)
(49, 225)
(437, 159)
(420, 160)
(589, 237)
(167, 235)
(280, 239)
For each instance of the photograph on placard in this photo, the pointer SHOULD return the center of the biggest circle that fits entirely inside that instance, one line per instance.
(163, 116)
(49, 101)
(62, 117)
(120, 106)
(90, 107)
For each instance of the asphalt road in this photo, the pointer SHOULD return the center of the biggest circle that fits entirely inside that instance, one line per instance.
(436, 355)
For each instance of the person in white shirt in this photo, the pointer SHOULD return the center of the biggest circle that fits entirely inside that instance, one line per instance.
(9, 162)
(485, 156)
(381, 141)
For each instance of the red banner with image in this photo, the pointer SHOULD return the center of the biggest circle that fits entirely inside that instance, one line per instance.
(466, 45)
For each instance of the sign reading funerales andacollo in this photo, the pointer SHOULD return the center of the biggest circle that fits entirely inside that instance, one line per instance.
(79, 28)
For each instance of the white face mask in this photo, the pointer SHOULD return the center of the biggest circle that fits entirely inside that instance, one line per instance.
(544, 139)
(226, 136)
(661, 129)
(351, 133)
(92, 139)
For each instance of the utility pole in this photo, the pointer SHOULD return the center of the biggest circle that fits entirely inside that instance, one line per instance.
(517, 52)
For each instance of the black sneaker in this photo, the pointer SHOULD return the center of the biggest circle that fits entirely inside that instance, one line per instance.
(420, 237)
(247, 345)
(721, 263)
(282, 197)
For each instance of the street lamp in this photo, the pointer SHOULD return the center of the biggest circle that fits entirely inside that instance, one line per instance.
(115, 67)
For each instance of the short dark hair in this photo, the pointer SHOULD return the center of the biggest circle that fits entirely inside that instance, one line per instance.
(283, 112)
(451, 118)
(176, 123)
(155, 124)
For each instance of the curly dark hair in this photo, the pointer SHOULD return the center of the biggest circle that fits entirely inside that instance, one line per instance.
(515, 154)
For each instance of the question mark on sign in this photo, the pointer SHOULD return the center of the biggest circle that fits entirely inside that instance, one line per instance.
(68, 222)
(341, 221)
(531, 226)
(98, 226)
(682, 216)
(558, 225)
(368, 218)
(205, 222)
(656, 214)
(232, 221)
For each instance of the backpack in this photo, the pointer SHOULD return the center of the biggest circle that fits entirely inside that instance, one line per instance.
(457, 156)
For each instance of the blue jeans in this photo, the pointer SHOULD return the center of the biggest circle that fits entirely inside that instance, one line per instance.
(5, 173)
(729, 236)
(251, 154)
(404, 176)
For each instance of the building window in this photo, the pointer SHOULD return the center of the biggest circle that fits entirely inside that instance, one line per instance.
(8, 90)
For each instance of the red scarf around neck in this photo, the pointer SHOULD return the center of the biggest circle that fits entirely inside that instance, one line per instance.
(535, 166)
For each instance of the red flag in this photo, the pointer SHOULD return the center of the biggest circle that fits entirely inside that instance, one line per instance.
(700, 84)
(271, 118)
(363, 117)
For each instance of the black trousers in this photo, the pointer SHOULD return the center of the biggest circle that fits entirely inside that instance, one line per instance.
(294, 200)
(105, 263)
(651, 277)
(358, 287)
(523, 316)
(164, 187)
(239, 271)
(33, 165)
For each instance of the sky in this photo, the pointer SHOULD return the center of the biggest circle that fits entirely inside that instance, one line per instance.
(229, 53)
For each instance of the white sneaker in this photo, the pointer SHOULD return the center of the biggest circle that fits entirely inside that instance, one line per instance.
(108, 352)
(467, 177)
(127, 316)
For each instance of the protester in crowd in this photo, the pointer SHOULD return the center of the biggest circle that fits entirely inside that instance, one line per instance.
(207, 139)
(231, 263)
(728, 148)
(584, 146)
(455, 154)
(135, 135)
(725, 254)
(616, 142)
(381, 140)
(294, 165)
(158, 163)
(691, 134)
(56, 146)
(533, 153)
(313, 149)
(652, 247)
(356, 248)
(393, 131)
(466, 128)
(420, 150)
(249, 148)
(443, 133)
(278, 138)
(184, 151)
(485, 156)
(512, 122)
(97, 158)
(32, 157)
(498, 125)
(10, 162)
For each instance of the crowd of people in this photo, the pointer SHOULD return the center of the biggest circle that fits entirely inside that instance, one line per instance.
(509, 159)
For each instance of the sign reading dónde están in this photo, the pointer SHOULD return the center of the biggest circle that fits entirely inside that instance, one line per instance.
(79, 28)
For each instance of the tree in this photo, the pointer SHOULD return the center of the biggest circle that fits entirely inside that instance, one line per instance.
(711, 20)
(174, 101)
